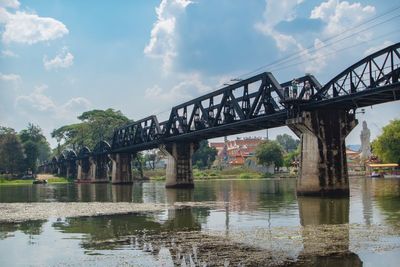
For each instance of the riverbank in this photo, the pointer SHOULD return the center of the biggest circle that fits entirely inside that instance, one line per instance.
(229, 173)
(49, 178)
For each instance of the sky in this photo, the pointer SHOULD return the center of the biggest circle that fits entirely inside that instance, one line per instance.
(59, 58)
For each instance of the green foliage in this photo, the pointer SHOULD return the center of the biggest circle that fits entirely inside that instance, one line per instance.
(247, 175)
(387, 145)
(31, 155)
(287, 142)
(290, 157)
(138, 163)
(152, 158)
(35, 146)
(11, 152)
(269, 152)
(204, 156)
(95, 126)
(57, 180)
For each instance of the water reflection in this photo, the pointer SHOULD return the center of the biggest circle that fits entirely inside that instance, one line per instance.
(30, 228)
(334, 250)
(322, 228)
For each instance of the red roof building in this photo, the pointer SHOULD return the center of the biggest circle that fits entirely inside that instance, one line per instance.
(237, 151)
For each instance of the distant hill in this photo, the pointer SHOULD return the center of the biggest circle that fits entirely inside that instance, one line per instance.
(354, 147)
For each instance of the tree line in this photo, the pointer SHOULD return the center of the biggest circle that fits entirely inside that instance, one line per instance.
(21, 152)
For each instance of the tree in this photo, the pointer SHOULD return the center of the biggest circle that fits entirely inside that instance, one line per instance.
(270, 152)
(287, 142)
(387, 145)
(35, 146)
(139, 162)
(288, 158)
(31, 155)
(151, 159)
(204, 155)
(95, 126)
(11, 153)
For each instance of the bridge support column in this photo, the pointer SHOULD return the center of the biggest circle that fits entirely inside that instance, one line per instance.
(92, 170)
(101, 169)
(68, 172)
(71, 170)
(86, 170)
(323, 164)
(121, 168)
(179, 172)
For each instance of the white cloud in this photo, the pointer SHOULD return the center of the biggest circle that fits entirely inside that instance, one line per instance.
(8, 53)
(162, 42)
(10, 77)
(374, 49)
(275, 12)
(318, 59)
(38, 101)
(9, 3)
(76, 104)
(340, 16)
(4, 15)
(26, 28)
(63, 60)
(189, 87)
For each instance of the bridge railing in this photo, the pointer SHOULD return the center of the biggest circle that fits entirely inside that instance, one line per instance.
(376, 70)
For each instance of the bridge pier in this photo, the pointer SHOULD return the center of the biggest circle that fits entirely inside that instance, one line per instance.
(86, 170)
(121, 168)
(323, 169)
(101, 169)
(179, 173)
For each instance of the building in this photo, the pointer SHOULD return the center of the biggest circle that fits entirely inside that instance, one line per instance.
(236, 152)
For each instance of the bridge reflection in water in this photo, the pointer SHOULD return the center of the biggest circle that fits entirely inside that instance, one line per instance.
(323, 211)
(251, 222)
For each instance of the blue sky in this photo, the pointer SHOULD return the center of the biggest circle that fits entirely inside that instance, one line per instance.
(59, 58)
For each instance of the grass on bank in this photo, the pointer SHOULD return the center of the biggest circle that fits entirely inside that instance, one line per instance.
(53, 180)
(209, 174)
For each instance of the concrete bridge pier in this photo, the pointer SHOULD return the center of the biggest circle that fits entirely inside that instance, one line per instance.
(86, 170)
(323, 164)
(92, 169)
(121, 172)
(71, 169)
(179, 173)
(101, 169)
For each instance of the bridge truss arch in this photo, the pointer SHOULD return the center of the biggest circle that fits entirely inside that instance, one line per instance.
(372, 80)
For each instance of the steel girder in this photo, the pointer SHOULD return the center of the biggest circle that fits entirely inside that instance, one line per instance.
(240, 102)
(145, 131)
(372, 80)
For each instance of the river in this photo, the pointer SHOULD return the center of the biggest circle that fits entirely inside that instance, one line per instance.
(219, 223)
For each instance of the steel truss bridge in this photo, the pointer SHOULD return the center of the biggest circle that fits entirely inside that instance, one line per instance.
(259, 102)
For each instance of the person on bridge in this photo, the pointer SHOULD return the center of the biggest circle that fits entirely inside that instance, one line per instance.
(294, 88)
(307, 90)
(286, 92)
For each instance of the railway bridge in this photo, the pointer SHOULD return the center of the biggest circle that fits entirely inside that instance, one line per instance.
(320, 115)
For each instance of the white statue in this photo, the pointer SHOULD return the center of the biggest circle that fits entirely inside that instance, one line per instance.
(365, 144)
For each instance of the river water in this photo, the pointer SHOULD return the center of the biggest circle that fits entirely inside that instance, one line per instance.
(219, 223)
